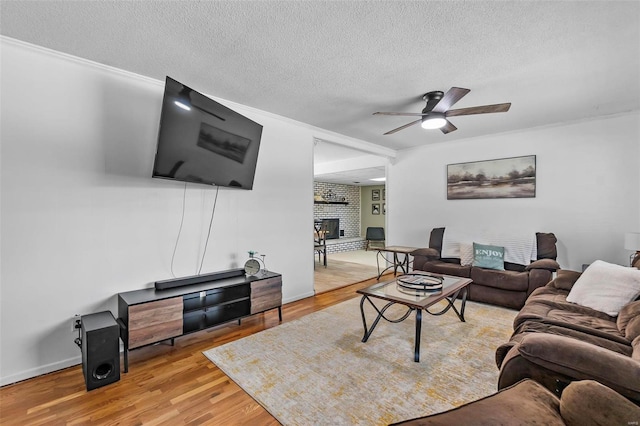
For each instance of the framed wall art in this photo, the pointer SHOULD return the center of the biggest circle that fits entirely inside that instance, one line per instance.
(375, 195)
(513, 177)
(375, 208)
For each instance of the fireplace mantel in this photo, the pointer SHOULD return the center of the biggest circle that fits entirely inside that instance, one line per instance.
(344, 203)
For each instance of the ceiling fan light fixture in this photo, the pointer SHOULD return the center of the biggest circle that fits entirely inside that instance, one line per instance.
(434, 120)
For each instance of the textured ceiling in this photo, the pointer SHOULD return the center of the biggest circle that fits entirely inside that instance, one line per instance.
(327, 153)
(332, 64)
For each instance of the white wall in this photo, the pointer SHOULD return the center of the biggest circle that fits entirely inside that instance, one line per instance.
(83, 220)
(367, 218)
(586, 193)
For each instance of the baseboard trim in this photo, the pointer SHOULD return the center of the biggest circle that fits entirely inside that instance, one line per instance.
(41, 370)
(77, 360)
(298, 297)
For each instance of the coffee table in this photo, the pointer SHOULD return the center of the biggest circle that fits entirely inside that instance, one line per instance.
(414, 300)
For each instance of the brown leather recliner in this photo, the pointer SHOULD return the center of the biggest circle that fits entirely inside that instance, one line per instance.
(556, 342)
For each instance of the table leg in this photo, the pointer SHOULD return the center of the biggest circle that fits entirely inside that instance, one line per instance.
(450, 305)
(124, 335)
(378, 264)
(405, 264)
(395, 264)
(416, 354)
(367, 330)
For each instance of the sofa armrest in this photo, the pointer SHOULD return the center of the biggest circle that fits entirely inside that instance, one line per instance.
(548, 264)
(538, 278)
(565, 279)
(582, 361)
(589, 402)
(426, 252)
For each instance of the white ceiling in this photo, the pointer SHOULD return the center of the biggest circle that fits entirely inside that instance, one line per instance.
(327, 152)
(333, 63)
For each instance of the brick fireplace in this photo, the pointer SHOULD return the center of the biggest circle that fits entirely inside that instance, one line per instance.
(332, 226)
(346, 216)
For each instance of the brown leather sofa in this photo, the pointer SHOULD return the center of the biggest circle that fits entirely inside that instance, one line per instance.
(556, 342)
(509, 288)
(528, 403)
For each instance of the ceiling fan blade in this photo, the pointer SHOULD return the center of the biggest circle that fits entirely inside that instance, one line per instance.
(452, 96)
(448, 128)
(484, 109)
(403, 127)
(408, 114)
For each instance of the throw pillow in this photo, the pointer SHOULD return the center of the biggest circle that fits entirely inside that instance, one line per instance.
(466, 254)
(606, 287)
(490, 257)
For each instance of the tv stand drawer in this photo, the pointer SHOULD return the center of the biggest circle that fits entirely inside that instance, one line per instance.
(266, 294)
(155, 321)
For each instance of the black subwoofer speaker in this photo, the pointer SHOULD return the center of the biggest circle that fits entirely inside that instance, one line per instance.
(100, 349)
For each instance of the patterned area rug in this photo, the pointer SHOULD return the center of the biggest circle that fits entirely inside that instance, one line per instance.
(316, 371)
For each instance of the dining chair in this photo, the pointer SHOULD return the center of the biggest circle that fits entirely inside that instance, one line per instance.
(320, 244)
(375, 236)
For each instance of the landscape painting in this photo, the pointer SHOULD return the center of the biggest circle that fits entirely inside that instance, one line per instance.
(223, 143)
(502, 178)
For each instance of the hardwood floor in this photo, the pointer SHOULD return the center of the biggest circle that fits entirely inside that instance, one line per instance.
(165, 385)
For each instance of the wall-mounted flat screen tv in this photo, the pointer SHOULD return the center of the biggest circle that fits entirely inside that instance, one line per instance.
(202, 141)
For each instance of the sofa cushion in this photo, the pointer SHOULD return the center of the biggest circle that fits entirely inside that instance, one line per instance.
(447, 268)
(627, 313)
(606, 287)
(550, 304)
(487, 256)
(584, 320)
(546, 245)
(546, 301)
(435, 239)
(595, 338)
(506, 280)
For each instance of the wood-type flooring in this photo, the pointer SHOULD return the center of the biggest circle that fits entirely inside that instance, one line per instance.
(165, 385)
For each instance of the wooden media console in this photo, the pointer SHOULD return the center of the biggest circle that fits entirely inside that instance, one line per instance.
(191, 304)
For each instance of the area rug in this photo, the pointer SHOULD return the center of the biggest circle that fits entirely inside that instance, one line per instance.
(316, 371)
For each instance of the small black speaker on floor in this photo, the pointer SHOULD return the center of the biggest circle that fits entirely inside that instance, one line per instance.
(100, 349)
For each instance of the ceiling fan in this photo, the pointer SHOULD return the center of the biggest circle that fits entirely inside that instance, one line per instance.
(435, 114)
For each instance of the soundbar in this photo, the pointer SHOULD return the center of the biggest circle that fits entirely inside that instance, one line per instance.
(197, 279)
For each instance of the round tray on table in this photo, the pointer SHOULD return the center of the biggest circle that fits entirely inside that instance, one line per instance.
(420, 282)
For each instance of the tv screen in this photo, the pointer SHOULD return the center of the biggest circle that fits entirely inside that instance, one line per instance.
(203, 141)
